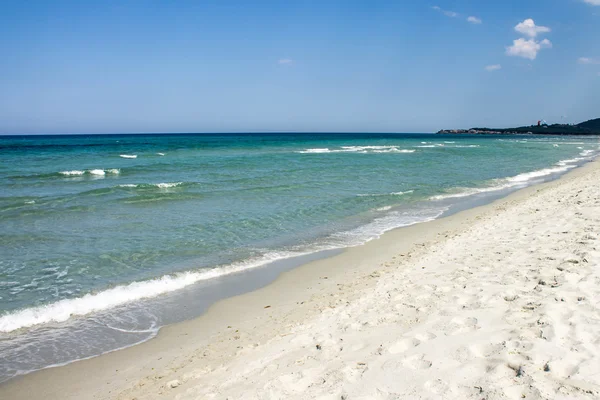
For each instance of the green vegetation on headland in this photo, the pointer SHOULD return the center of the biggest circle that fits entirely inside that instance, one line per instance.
(591, 127)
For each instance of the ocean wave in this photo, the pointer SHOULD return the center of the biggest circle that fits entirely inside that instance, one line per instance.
(385, 194)
(528, 176)
(392, 220)
(394, 151)
(358, 149)
(63, 310)
(514, 181)
(466, 192)
(72, 173)
(128, 155)
(168, 185)
(95, 172)
(162, 185)
(316, 151)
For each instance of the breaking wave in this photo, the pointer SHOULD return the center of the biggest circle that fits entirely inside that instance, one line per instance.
(95, 172)
(358, 149)
(520, 179)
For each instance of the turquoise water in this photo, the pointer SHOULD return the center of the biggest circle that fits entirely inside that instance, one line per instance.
(90, 223)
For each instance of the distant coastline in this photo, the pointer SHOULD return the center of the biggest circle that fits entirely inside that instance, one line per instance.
(591, 127)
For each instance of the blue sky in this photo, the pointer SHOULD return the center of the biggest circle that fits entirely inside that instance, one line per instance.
(230, 66)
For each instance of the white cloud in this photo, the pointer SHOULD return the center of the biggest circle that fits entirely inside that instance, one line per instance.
(494, 67)
(529, 28)
(286, 61)
(474, 20)
(593, 2)
(527, 48)
(587, 60)
(450, 14)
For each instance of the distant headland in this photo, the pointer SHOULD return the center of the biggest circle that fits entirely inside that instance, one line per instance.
(591, 127)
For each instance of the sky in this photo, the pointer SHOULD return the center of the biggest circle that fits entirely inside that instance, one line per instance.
(277, 66)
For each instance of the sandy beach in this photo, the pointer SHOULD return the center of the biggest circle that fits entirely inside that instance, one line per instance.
(500, 301)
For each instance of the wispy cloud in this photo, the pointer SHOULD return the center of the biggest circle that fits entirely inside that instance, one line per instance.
(285, 61)
(492, 68)
(453, 14)
(529, 28)
(593, 2)
(447, 13)
(527, 48)
(587, 60)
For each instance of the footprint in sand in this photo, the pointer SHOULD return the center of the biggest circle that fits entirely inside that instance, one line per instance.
(416, 362)
(462, 325)
(484, 350)
(426, 336)
(403, 345)
(437, 386)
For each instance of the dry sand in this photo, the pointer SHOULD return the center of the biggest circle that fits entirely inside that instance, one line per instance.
(497, 302)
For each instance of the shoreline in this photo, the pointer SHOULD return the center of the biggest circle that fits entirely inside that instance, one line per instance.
(284, 299)
(191, 301)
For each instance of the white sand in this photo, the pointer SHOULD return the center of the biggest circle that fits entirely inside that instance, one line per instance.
(504, 303)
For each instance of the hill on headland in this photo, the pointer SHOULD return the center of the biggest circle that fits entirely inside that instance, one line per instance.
(591, 127)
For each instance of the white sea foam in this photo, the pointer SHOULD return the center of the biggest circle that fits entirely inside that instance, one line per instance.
(527, 176)
(72, 173)
(466, 192)
(160, 154)
(385, 194)
(308, 151)
(394, 151)
(128, 155)
(63, 310)
(30, 202)
(393, 220)
(167, 185)
(95, 172)
(514, 181)
(386, 208)
(426, 146)
(570, 161)
(358, 149)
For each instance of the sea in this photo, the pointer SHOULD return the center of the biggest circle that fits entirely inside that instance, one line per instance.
(104, 239)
